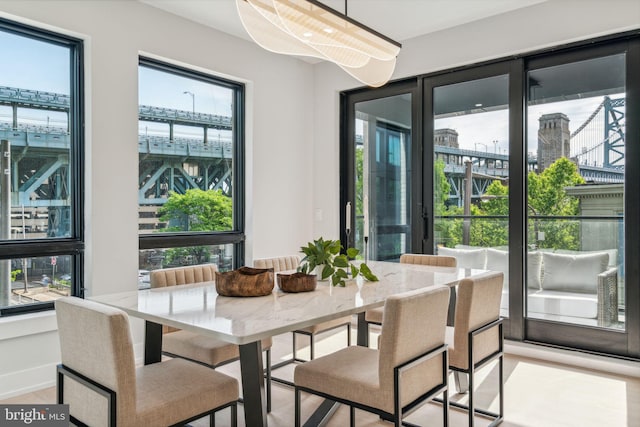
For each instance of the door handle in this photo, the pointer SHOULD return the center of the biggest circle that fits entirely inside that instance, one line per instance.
(425, 224)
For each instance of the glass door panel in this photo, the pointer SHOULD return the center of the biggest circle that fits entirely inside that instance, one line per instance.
(575, 201)
(471, 172)
(383, 134)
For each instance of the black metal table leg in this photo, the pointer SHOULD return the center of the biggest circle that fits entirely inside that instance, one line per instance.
(152, 342)
(255, 405)
(451, 314)
(363, 331)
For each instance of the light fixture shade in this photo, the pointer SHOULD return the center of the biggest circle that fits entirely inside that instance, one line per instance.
(309, 28)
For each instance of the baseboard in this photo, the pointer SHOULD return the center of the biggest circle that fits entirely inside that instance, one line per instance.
(27, 381)
(578, 359)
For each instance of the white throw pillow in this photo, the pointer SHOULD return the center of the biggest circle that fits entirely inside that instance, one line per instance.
(498, 260)
(534, 270)
(466, 258)
(573, 273)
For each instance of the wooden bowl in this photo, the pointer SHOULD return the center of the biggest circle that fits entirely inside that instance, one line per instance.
(245, 282)
(297, 282)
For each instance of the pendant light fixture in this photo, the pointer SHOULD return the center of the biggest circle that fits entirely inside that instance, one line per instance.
(310, 28)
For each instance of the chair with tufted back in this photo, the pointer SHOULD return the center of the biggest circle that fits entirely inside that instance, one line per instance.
(99, 381)
(291, 262)
(195, 347)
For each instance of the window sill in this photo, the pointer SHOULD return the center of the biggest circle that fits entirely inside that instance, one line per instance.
(27, 324)
(611, 365)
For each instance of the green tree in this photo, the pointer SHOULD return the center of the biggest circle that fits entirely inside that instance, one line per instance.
(491, 231)
(546, 191)
(195, 210)
(441, 187)
(547, 197)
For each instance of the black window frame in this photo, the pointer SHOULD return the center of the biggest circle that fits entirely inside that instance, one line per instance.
(73, 245)
(237, 236)
(623, 344)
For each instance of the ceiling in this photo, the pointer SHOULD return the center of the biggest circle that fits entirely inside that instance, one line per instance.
(398, 19)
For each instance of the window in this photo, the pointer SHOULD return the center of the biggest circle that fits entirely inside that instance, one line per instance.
(41, 240)
(190, 193)
(523, 171)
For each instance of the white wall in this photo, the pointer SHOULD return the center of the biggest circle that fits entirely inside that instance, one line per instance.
(293, 118)
(552, 23)
(279, 143)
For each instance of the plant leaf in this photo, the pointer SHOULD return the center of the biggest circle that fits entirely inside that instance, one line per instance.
(334, 247)
(327, 271)
(352, 253)
(342, 274)
(367, 273)
(341, 261)
(354, 271)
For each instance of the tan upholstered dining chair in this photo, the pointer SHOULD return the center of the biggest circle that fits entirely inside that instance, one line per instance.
(477, 338)
(291, 262)
(409, 368)
(99, 381)
(375, 315)
(196, 347)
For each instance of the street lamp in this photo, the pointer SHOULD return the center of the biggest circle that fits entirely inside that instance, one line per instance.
(495, 146)
(480, 143)
(193, 100)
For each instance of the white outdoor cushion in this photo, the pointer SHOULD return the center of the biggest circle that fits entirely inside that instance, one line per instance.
(466, 258)
(534, 270)
(573, 273)
(504, 300)
(498, 260)
(563, 304)
(612, 253)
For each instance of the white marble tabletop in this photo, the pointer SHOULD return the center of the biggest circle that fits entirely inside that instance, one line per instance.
(242, 320)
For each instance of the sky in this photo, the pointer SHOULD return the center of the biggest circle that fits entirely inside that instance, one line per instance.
(44, 67)
(477, 130)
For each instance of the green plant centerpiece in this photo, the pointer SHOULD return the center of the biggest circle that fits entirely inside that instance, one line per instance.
(333, 264)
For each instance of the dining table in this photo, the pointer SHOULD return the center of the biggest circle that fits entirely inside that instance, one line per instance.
(245, 321)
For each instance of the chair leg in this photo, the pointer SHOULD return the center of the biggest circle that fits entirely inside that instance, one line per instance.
(311, 346)
(462, 381)
(234, 415)
(472, 408)
(294, 345)
(297, 407)
(268, 380)
(352, 416)
(445, 408)
(501, 385)
(348, 335)
(59, 386)
(212, 419)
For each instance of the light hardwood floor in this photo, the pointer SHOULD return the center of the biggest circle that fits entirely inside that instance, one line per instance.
(537, 394)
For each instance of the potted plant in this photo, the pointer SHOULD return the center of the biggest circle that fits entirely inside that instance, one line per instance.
(326, 256)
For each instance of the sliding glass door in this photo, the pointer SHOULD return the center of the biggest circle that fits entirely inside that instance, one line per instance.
(381, 134)
(582, 138)
(575, 220)
(526, 166)
(470, 171)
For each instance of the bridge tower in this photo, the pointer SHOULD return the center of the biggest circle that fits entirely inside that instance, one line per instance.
(553, 139)
(446, 138)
